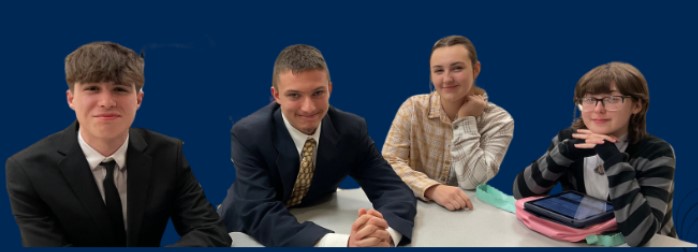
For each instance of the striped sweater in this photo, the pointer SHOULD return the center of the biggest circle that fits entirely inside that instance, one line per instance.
(641, 181)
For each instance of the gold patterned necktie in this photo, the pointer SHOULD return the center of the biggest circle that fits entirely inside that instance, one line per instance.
(305, 173)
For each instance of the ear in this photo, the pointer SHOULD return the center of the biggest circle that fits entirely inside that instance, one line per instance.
(329, 89)
(637, 107)
(139, 98)
(274, 93)
(476, 70)
(69, 98)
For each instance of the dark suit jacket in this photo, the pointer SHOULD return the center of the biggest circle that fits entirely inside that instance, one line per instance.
(267, 163)
(56, 202)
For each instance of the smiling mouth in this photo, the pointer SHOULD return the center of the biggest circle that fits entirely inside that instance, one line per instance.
(108, 116)
(309, 116)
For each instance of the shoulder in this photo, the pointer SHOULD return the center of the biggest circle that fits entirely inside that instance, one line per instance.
(39, 150)
(653, 147)
(345, 122)
(496, 115)
(255, 123)
(153, 139)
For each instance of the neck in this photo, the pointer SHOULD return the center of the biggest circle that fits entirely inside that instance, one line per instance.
(451, 108)
(106, 147)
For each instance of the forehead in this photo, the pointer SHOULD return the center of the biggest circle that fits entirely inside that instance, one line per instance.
(310, 79)
(449, 54)
(106, 83)
(608, 89)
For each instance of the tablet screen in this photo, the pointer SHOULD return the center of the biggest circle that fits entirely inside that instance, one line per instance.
(574, 205)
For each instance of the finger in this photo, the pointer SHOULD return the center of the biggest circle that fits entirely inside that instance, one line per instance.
(360, 222)
(610, 139)
(362, 211)
(584, 146)
(468, 204)
(594, 141)
(374, 212)
(580, 135)
(382, 235)
(366, 231)
(585, 131)
(378, 222)
(368, 242)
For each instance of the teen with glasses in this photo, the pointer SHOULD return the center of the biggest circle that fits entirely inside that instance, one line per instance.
(608, 154)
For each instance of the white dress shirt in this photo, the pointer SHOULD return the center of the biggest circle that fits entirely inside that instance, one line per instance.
(94, 158)
(597, 184)
(330, 239)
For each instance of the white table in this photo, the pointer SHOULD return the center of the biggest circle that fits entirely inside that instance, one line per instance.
(485, 226)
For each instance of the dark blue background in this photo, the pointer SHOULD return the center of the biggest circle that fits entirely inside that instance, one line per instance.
(208, 64)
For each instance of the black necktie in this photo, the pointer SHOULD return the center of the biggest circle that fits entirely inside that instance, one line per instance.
(113, 202)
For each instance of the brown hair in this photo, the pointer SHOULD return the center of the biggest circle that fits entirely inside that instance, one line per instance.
(298, 58)
(629, 81)
(104, 62)
(453, 40)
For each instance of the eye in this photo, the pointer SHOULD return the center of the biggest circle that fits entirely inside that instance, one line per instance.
(121, 89)
(588, 100)
(293, 96)
(614, 99)
(458, 69)
(319, 93)
(91, 88)
(438, 71)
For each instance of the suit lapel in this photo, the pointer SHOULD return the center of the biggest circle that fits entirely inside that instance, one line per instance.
(76, 172)
(287, 160)
(138, 165)
(329, 137)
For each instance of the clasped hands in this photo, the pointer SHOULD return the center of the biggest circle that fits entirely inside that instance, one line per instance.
(370, 230)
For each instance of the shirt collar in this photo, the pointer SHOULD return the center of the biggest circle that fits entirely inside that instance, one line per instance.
(299, 137)
(622, 143)
(94, 158)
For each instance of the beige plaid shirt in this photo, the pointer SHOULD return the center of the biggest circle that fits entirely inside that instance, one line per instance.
(425, 148)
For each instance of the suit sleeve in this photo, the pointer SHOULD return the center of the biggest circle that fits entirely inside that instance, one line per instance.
(37, 224)
(253, 207)
(194, 217)
(384, 188)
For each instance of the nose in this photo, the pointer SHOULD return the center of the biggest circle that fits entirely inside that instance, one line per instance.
(447, 77)
(107, 100)
(307, 105)
(600, 107)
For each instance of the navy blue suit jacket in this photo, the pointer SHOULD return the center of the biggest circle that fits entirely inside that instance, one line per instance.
(267, 163)
(56, 201)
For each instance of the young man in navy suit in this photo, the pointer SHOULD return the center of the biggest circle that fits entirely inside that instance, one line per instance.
(295, 151)
(100, 182)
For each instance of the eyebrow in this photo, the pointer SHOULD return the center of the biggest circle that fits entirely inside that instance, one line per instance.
(298, 91)
(457, 63)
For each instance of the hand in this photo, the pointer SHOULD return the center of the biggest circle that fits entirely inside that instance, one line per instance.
(450, 197)
(591, 139)
(473, 106)
(370, 230)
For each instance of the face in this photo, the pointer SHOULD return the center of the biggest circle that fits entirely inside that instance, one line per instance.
(304, 98)
(452, 72)
(613, 123)
(105, 110)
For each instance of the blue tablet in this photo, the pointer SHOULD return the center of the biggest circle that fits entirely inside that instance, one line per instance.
(571, 208)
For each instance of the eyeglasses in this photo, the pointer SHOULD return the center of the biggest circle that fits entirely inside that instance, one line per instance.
(610, 103)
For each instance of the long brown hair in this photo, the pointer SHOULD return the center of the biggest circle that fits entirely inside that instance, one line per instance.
(629, 81)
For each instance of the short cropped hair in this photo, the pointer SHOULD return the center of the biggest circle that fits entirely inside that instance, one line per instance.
(104, 62)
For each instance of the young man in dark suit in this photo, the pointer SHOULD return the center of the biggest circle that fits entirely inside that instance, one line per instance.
(294, 153)
(100, 182)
